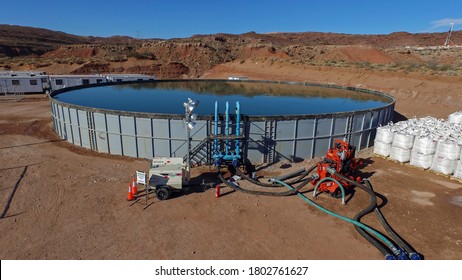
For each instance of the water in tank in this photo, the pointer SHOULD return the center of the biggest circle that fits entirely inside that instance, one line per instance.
(256, 98)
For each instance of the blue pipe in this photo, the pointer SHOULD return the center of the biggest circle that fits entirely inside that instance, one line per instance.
(215, 131)
(238, 126)
(227, 129)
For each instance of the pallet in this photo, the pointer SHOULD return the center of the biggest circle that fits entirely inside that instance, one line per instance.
(397, 161)
(421, 168)
(417, 167)
(439, 173)
(455, 179)
(380, 156)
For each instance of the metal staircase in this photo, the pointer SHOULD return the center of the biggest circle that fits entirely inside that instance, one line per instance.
(91, 131)
(349, 130)
(269, 135)
(201, 153)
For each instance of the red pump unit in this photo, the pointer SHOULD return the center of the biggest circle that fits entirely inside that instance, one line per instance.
(342, 159)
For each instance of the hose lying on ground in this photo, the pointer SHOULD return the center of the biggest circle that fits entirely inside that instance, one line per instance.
(371, 239)
(398, 239)
(411, 252)
(384, 245)
(238, 188)
(390, 245)
(299, 179)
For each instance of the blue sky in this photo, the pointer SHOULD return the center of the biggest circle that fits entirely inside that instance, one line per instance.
(182, 18)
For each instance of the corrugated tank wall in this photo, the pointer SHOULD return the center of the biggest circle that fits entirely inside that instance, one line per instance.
(267, 139)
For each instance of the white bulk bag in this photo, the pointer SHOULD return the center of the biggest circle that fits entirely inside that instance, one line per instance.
(421, 160)
(443, 165)
(384, 134)
(448, 150)
(424, 145)
(400, 154)
(403, 141)
(458, 170)
(455, 117)
(381, 148)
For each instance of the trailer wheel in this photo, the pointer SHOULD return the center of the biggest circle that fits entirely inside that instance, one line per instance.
(163, 193)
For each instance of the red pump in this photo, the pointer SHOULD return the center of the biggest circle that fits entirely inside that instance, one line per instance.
(342, 159)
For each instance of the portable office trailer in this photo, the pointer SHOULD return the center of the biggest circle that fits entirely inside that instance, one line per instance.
(117, 78)
(39, 82)
(18, 73)
(63, 81)
(24, 84)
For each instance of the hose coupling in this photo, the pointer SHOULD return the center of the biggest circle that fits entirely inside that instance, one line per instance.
(395, 250)
(415, 256)
(390, 257)
(330, 170)
(402, 255)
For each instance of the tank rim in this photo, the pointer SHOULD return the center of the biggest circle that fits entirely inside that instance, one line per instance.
(386, 96)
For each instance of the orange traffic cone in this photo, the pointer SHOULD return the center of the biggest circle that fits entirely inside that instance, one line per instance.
(130, 196)
(134, 188)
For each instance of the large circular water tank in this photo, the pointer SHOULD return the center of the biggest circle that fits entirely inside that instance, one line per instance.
(284, 120)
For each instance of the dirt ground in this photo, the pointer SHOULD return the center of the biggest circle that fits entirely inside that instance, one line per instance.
(63, 202)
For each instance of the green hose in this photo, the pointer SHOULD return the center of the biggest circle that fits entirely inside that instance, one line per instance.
(330, 179)
(393, 248)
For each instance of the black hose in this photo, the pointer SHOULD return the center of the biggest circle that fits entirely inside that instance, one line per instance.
(371, 207)
(371, 239)
(289, 175)
(266, 185)
(238, 188)
(398, 239)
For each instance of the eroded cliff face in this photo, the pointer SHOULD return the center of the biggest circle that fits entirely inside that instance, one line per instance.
(25, 48)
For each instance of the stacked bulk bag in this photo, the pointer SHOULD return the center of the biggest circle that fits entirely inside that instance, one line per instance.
(443, 165)
(400, 154)
(424, 142)
(458, 170)
(421, 160)
(455, 117)
(401, 146)
(447, 154)
(424, 145)
(423, 151)
(383, 140)
(384, 134)
(448, 149)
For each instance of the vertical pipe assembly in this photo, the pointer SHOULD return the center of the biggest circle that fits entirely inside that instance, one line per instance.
(238, 127)
(227, 129)
(215, 130)
(188, 141)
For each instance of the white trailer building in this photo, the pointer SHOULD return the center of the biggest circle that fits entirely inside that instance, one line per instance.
(21, 82)
(40, 82)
